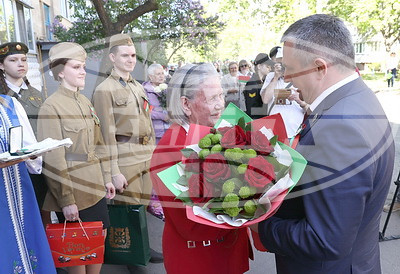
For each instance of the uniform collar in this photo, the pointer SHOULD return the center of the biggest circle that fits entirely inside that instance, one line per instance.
(116, 76)
(68, 92)
(15, 88)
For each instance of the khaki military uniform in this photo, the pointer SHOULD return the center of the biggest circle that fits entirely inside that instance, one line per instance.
(78, 174)
(124, 112)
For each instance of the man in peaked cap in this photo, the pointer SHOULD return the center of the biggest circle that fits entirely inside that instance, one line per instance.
(124, 110)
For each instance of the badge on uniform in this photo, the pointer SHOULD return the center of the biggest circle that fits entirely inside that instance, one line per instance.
(94, 115)
(252, 95)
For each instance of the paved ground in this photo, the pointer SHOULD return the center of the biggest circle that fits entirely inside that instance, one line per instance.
(264, 262)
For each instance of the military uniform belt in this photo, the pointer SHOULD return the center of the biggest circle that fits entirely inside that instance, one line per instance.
(133, 139)
(76, 157)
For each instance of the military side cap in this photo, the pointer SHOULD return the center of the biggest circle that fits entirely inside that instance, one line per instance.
(67, 50)
(120, 39)
(13, 48)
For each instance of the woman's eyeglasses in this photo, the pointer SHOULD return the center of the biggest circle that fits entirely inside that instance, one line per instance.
(243, 66)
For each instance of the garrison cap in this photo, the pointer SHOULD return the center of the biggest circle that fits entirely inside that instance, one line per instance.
(120, 39)
(67, 50)
(12, 48)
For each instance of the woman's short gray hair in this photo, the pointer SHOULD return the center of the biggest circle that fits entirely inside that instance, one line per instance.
(152, 68)
(186, 82)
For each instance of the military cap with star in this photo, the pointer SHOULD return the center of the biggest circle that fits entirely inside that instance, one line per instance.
(13, 48)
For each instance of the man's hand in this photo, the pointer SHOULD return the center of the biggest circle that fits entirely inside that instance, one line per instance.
(295, 96)
(119, 182)
(71, 212)
(110, 190)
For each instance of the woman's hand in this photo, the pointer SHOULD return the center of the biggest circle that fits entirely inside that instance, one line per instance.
(71, 212)
(110, 188)
(120, 183)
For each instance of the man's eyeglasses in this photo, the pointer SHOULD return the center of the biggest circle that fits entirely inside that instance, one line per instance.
(243, 66)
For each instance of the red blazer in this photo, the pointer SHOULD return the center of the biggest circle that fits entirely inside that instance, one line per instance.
(229, 249)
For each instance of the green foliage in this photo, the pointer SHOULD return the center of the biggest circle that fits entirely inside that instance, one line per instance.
(176, 24)
(370, 17)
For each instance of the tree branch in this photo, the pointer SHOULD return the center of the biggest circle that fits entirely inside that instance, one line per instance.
(126, 18)
(103, 16)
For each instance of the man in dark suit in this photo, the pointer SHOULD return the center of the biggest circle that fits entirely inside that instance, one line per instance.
(330, 222)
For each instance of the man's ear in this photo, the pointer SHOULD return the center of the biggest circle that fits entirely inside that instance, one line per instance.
(186, 106)
(112, 57)
(321, 67)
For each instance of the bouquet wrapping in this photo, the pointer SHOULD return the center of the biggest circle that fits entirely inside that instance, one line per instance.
(237, 173)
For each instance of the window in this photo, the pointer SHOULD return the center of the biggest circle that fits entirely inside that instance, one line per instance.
(47, 22)
(7, 22)
(359, 47)
(25, 25)
(66, 11)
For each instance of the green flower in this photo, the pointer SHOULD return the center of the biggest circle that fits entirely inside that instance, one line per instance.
(230, 200)
(244, 192)
(203, 153)
(216, 149)
(229, 186)
(205, 142)
(216, 139)
(250, 207)
(233, 211)
(242, 169)
(250, 153)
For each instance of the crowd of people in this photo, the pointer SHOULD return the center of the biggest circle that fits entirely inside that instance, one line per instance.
(128, 132)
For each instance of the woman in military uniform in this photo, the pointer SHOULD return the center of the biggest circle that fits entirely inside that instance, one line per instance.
(13, 82)
(78, 177)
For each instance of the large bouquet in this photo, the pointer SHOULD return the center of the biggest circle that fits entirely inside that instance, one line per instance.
(236, 173)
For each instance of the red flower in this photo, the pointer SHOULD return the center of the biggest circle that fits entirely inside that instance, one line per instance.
(216, 168)
(200, 191)
(192, 163)
(223, 130)
(259, 172)
(235, 137)
(260, 143)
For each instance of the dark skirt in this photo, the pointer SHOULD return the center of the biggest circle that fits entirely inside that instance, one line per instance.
(97, 212)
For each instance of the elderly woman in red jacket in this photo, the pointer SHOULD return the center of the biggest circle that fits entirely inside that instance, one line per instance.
(195, 96)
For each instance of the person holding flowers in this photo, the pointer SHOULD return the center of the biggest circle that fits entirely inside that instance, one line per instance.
(195, 96)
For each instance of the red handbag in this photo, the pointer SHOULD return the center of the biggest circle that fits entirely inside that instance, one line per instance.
(76, 243)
